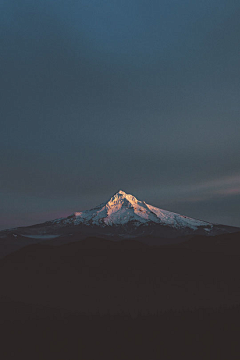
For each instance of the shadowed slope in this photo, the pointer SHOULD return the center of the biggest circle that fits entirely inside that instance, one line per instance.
(98, 275)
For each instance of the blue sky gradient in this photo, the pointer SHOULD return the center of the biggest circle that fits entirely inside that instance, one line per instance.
(106, 95)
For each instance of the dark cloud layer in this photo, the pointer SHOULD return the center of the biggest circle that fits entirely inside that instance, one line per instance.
(106, 95)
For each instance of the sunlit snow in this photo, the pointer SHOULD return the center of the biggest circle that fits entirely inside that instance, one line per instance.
(123, 208)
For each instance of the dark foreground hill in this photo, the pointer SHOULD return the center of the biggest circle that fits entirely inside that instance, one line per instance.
(122, 300)
(31, 332)
(97, 275)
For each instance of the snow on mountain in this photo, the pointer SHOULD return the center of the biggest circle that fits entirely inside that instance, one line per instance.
(123, 208)
(121, 217)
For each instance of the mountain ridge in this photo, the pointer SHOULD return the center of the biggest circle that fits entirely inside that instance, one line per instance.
(123, 208)
(122, 216)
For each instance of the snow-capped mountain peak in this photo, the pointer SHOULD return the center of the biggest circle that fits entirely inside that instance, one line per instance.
(119, 209)
(123, 199)
(122, 216)
(123, 208)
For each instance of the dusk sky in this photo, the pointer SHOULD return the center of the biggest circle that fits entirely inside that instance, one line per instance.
(137, 95)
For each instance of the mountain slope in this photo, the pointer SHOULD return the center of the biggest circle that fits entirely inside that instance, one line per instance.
(122, 216)
(123, 208)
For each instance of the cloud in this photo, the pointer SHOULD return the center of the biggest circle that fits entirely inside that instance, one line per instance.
(231, 191)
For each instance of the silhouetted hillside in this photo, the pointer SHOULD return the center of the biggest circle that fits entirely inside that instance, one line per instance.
(97, 275)
(225, 243)
(121, 300)
(31, 332)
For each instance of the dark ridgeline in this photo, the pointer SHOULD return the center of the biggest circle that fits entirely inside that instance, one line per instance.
(122, 217)
(122, 300)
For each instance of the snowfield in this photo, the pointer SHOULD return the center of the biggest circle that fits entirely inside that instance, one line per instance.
(123, 208)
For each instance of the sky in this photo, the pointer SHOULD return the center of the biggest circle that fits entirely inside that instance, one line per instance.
(98, 96)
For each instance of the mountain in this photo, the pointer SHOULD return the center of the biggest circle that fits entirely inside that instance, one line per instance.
(126, 298)
(122, 216)
(124, 208)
